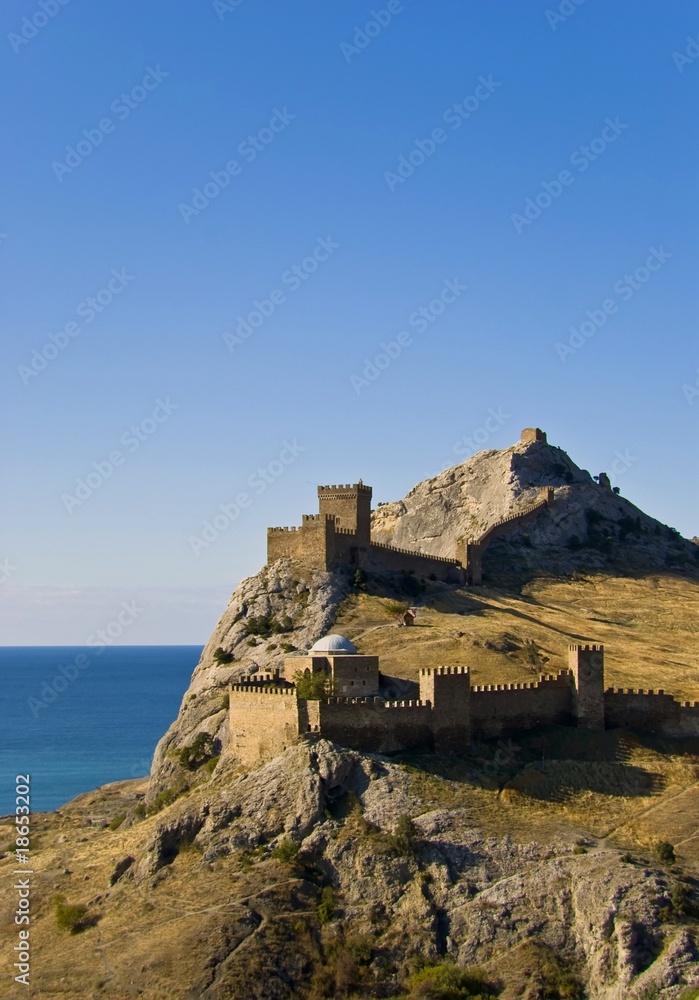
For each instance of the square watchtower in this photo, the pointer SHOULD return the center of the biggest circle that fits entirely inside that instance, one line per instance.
(350, 505)
(587, 666)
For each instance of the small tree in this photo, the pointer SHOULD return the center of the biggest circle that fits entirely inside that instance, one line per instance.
(222, 656)
(360, 579)
(312, 686)
(665, 852)
(404, 837)
(326, 907)
(201, 750)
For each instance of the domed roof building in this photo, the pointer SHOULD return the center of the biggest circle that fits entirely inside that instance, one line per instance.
(351, 673)
(334, 643)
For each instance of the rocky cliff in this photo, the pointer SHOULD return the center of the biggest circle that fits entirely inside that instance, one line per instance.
(588, 527)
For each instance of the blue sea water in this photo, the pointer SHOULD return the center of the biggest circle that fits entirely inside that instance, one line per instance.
(111, 707)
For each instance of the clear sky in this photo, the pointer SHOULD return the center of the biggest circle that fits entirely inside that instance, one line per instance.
(175, 171)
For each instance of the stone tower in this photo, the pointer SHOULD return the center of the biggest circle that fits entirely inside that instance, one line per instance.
(530, 434)
(448, 689)
(351, 508)
(587, 665)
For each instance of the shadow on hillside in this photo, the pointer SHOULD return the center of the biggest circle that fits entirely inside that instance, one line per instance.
(554, 763)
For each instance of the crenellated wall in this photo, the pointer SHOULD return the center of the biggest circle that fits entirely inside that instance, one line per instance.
(497, 709)
(650, 711)
(396, 560)
(375, 725)
(263, 721)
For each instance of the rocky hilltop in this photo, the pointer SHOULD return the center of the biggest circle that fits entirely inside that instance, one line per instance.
(587, 529)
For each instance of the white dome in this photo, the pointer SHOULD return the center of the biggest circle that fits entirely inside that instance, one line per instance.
(333, 644)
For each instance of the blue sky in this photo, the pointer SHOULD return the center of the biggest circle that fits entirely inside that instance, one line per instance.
(171, 172)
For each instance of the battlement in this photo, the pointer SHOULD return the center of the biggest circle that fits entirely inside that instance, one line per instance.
(441, 671)
(259, 687)
(371, 700)
(409, 704)
(592, 648)
(345, 488)
(660, 693)
(651, 711)
(562, 679)
(416, 555)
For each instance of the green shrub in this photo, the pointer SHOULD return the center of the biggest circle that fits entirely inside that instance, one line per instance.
(286, 850)
(360, 579)
(286, 647)
(403, 840)
(163, 799)
(201, 750)
(448, 982)
(682, 903)
(225, 702)
(532, 653)
(72, 918)
(395, 608)
(266, 625)
(211, 763)
(222, 656)
(665, 852)
(326, 907)
(140, 811)
(116, 821)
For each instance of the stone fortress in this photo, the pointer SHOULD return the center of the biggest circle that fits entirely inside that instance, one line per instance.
(340, 535)
(444, 711)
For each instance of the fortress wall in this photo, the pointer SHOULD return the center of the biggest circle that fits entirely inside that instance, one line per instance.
(501, 708)
(311, 545)
(284, 543)
(397, 560)
(309, 717)
(263, 722)
(347, 548)
(651, 711)
(378, 726)
(518, 518)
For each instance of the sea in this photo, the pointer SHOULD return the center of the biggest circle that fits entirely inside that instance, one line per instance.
(74, 718)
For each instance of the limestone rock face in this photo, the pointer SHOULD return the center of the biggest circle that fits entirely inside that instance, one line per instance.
(466, 500)
(308, 599)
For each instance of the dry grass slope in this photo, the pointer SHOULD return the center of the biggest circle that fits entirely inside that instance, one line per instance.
(648, 626)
